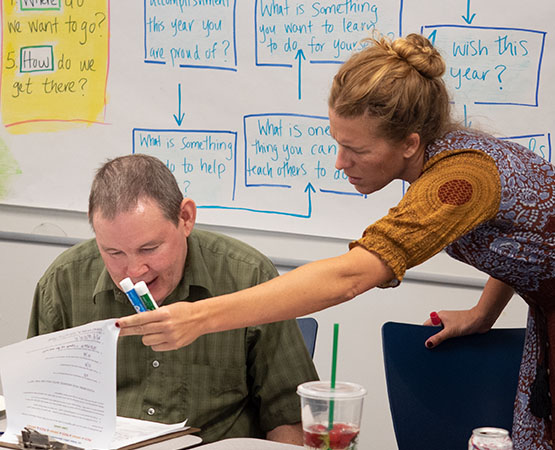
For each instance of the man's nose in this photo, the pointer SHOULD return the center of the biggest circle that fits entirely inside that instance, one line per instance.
(136, 267)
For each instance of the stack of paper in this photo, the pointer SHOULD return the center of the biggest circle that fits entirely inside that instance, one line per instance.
(63, 385)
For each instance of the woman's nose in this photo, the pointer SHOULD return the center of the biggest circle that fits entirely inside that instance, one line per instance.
(341, 162)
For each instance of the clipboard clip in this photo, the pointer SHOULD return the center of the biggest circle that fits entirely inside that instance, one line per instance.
(34, 440)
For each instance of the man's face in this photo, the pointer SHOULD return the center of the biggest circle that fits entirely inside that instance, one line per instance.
(143, 245)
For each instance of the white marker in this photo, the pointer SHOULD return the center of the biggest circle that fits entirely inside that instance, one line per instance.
(127, 286)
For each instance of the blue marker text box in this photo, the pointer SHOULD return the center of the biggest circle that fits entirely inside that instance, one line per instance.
(490, 65)
(197, 159)
(186, 34)
(291, 150)
(325, 31)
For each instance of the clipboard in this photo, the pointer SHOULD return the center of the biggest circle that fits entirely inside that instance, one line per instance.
(174, 434)
(146, 444)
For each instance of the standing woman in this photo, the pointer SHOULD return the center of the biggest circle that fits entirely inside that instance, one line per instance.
(487, 202)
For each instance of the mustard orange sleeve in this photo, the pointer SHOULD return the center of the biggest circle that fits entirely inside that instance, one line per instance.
(454, 194)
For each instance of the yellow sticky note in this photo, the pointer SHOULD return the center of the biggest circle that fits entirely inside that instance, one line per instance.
(55, 63)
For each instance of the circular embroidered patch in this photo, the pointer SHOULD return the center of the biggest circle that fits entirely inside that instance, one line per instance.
(455, 192)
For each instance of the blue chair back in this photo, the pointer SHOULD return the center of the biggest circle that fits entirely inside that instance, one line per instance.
(438, 396)
(309, 329)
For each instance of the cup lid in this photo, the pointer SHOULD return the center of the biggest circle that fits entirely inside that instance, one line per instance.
(322, 389)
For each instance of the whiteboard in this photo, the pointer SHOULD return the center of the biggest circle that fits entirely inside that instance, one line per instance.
(232, 96)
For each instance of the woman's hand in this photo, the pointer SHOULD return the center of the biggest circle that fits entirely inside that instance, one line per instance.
(167, 328)
(478, 319)
(458, 323)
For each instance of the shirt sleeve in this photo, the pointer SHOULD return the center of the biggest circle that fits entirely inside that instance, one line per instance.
(453, 195)
(43, 318)
(278, 361)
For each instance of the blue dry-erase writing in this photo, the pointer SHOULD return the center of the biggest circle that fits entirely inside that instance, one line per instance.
(148, 300)
(128, 288)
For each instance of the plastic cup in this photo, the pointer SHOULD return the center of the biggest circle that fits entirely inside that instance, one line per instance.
(338, 430)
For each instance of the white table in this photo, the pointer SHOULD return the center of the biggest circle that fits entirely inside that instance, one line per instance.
(247, 444)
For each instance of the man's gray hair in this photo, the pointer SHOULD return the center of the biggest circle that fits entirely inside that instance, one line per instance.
(121, 182)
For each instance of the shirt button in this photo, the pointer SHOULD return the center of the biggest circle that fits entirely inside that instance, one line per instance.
(151, 411)
(155, 364)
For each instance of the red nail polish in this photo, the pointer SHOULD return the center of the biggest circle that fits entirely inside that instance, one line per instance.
(435, 319)
(429, 344)
(117, 324)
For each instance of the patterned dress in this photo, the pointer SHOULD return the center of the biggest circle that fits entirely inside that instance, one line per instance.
(491, 204)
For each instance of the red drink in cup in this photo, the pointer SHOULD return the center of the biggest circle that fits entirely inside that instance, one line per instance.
(341, 437)
(331, 416)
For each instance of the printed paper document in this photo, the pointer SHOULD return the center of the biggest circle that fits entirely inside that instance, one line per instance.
(63, 384)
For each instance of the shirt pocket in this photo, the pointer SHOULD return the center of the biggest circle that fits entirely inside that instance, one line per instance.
(214, 393)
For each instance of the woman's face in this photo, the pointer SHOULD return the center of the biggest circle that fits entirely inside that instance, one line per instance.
(371, 162)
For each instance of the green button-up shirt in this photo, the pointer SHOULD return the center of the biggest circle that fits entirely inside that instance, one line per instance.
(230, 384)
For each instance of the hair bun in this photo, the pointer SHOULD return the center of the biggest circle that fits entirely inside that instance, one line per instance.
(420, 54)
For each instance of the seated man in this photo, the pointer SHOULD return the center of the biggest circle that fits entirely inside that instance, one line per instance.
(239, 383)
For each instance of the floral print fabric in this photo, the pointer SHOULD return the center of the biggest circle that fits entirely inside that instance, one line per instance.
(491, 204)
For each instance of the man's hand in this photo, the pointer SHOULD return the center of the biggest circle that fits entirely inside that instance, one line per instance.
(167, 328)
(287, 434)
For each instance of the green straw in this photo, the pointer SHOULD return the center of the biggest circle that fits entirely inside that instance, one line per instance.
(333, 367)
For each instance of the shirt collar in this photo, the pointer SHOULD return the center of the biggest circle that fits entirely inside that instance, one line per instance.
(105, 284)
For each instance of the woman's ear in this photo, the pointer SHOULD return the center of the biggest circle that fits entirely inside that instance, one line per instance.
(411, 145)
(188, 213)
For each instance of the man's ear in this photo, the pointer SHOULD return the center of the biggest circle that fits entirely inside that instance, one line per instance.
(411, 145)
(188, 213)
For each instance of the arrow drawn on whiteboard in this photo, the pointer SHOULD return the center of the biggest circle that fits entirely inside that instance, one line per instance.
(179, 117)
(432, 37)
(468, 18)
(467, 123)
(300, 56)
(309, 189)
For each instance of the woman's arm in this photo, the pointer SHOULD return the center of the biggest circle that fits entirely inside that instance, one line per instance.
(478, 319)
(309, 288)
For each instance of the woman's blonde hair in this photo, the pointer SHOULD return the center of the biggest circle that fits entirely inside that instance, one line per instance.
(399, 82)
